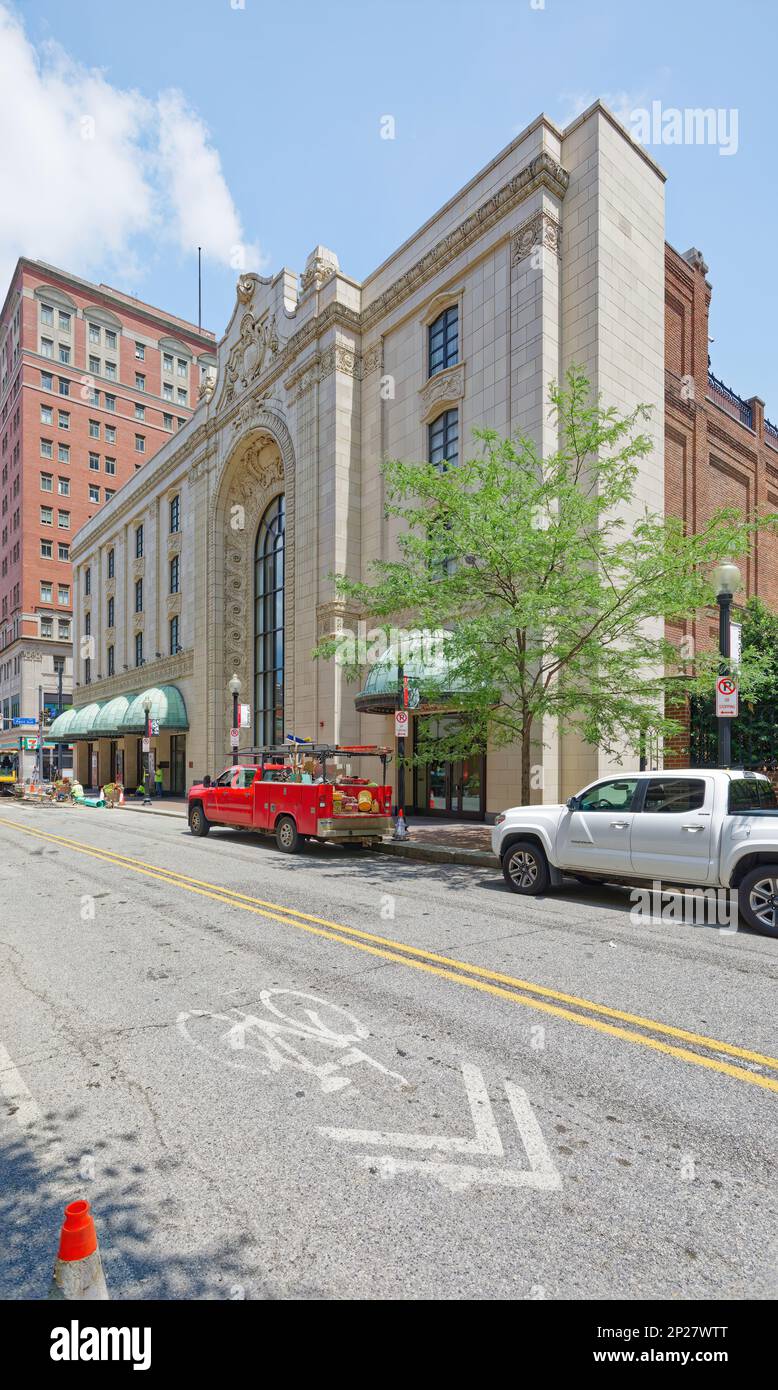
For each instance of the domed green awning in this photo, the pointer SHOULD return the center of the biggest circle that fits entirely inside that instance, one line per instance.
(112, 712)
(432, 675)
(166, 706)
(60, 730)
(84, 722)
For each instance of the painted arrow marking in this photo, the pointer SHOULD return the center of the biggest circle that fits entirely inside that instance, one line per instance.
(541, 1174)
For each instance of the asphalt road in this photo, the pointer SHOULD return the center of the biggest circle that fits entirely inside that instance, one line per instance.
(368, 1077)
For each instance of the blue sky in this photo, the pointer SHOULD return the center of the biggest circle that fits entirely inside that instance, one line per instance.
(276, 109)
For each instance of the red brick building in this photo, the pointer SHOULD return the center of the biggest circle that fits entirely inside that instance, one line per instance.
(720, 450)
(92, 383)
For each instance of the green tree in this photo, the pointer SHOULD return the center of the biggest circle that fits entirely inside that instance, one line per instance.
(551, 602)
(755, 731)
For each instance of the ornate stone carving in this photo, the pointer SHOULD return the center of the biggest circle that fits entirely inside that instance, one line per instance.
(443, 389)
(206, 388)
(320, 267)
(138, 567)
(174, 543)
(257, 338)
(539, 230)
(373, 359)
(245, 287)
(173, 605)
(110, 587)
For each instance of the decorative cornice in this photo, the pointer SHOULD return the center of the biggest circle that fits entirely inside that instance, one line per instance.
(163, 672)
(540, 230)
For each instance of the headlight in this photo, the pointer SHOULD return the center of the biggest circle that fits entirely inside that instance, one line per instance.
(498, 820)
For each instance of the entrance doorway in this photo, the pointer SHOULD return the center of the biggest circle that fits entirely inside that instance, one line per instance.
(177, 776)
(453, 787)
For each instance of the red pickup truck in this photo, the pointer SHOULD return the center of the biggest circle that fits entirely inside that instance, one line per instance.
(268, 798)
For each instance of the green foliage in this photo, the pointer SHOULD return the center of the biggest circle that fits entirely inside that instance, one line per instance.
(552, 600)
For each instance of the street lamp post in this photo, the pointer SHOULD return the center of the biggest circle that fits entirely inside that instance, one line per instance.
(147, 777)
(235, 692)
(726, 580)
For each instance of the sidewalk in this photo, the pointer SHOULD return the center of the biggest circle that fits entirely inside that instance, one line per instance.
(435, 842)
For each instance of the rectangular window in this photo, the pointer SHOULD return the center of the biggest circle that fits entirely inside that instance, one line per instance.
(175, 513)
(110, 338)
(94, 333)
(110, 370)
(181, 395)
(110, 402)
(63, 521)
(63, 595)
(64, 321)
(167, 391)
(94, 429)
(181, 366)
(45, 550)
(138, 542)
(94, 462)
(94, 493)
(63, 551)
(63, 453)
(47, 381)
(167, 361)
(47, 448)
(111, 563)
(138, 595)
(674, 795)
(47, 516)
(88, 671)
(110, 622)
(140, 412)
(64, 386)
(443, 439)
(140, 352)
(47, 347)
(47, 415)
(47, 482)
(140, 381)
(443, 340)
(64, 355)
(109, 493)
(63, 419)
(174, 575)
(63, 487)
(87, 582)
(174, 647)
(167, 421)
(140, 443)
(110, 434)
(47, 627)
(46, 592)
(111, 665)
(47, 314)
(94, 365)
(110, 465)
(139, 649)
(63, 629)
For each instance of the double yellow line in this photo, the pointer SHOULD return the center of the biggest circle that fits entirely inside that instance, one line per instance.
(711, 1053)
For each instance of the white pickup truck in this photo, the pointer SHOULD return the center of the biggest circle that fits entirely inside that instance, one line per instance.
(707, 828)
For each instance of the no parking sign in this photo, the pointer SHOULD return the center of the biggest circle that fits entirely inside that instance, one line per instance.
(401, 723)
(726, 698)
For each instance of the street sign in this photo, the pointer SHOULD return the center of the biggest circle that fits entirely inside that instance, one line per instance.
(244, 716)
(400, 723)
(146, 745)
(414, 695)
(726, 697)
(154, 728)
(234, 738)
(18, 722)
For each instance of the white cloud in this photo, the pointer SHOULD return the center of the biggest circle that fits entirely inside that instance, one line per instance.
(94, 178)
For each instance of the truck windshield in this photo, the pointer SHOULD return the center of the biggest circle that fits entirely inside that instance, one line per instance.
(751, 794)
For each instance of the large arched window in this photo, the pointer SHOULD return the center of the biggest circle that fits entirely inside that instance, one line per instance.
(269, 625)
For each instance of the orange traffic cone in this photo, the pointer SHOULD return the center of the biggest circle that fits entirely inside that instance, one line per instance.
(400, 828)
(78, 1270)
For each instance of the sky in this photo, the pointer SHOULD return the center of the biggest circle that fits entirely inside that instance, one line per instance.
(134, 133)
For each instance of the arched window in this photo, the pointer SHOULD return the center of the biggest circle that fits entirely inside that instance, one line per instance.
(269, 625)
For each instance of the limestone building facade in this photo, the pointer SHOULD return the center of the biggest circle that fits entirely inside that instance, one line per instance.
(217, 557)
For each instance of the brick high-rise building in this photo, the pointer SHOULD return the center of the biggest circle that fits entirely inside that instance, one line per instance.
(92, 383)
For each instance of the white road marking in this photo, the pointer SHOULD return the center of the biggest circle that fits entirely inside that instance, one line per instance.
(22, 1105)
(541, 1175)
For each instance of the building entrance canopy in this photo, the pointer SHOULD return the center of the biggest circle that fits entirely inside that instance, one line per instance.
(122, 715)
(435, 678)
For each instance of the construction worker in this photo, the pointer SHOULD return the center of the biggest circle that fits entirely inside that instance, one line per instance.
(158, 781)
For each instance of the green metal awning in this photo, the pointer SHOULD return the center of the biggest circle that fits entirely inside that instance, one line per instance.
(112, 713)
(84, 720)
(60, 730)
(435, 678)
(167, 706)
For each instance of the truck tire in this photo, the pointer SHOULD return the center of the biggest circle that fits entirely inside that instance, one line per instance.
(288, 837)
(758, 899)
(525, 868)
(199, 823)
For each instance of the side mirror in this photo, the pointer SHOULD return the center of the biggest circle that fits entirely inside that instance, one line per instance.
(572, 803)
(207, 780)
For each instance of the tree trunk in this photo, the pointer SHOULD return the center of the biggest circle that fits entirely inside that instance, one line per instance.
(526, 754)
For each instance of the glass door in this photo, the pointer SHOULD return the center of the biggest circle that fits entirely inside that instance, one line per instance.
(453, 787)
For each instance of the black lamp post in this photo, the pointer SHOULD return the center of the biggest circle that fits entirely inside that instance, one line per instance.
(726, 580)
(147, 776)
(235, 692)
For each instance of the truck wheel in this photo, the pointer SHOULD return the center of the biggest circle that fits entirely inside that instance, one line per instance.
(758, 899)
(525, 868)
(288, 838)
(199, 823)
